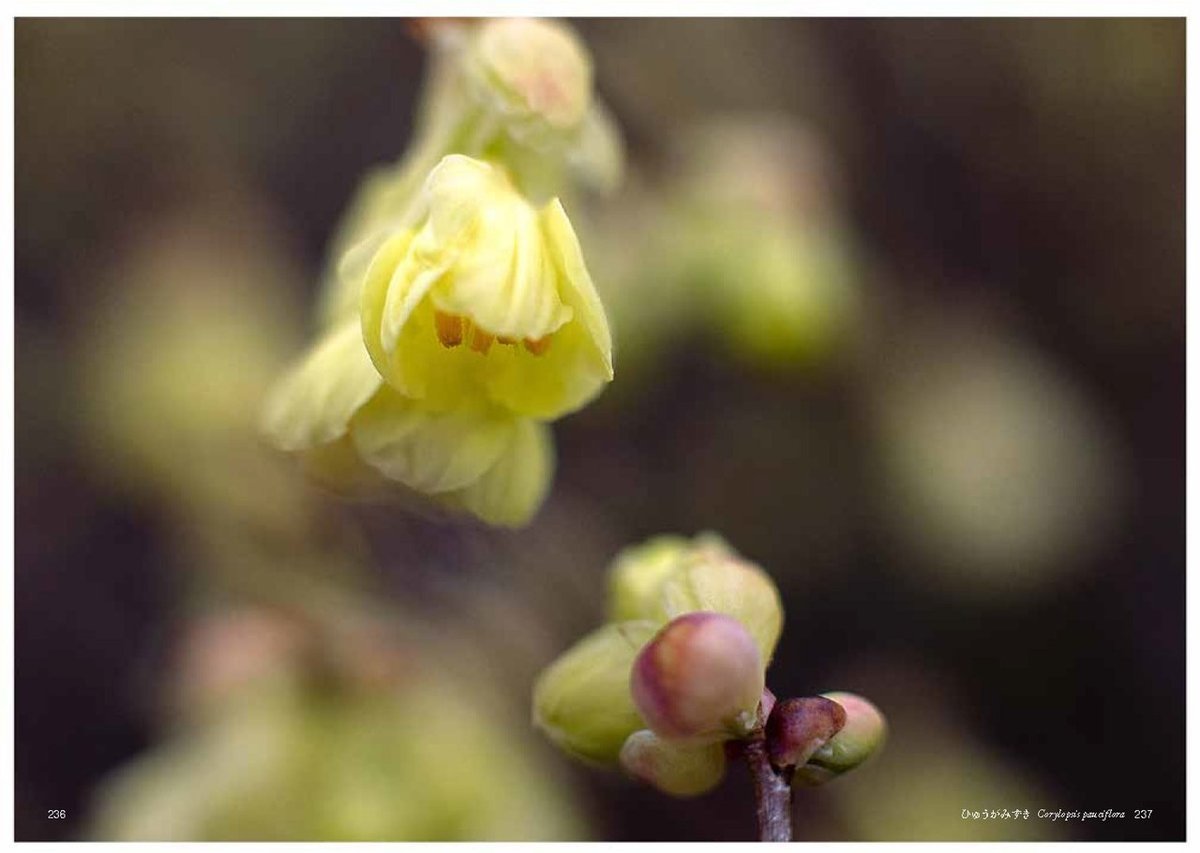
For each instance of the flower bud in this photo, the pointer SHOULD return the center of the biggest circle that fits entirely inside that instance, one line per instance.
(638, 573)
(678, 770)
(700, 679)
(668, 576)
(719, 581)
(516, 91)
(863, 733)
(534, 73)
(797, 728)
(582, 701)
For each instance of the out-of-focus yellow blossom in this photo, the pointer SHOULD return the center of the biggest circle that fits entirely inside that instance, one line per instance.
(333, 748)
(186, 332)
(646, 300)
(742, 240)
(756, 229)
(1001, 475)
(356, 433)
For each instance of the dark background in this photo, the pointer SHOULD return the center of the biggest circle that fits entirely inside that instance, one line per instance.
(1034, 167)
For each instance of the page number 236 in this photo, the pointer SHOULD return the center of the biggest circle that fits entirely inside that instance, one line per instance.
(56, 814)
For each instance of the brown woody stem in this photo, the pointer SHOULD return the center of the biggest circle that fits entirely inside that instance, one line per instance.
(772, 793)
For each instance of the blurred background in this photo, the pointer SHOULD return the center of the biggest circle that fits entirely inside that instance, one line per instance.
(898, 309)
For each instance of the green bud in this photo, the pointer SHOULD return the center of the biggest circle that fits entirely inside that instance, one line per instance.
(582, 700)
(699, 680)
(863, 733)
(721, 582)
(638, 573)
(681, 771)
(669, 575)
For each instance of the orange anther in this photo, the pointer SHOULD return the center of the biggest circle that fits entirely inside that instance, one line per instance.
(449, 328)
(481, 341)
(539, 346)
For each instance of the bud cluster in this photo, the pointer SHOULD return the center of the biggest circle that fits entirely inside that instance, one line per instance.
(678, 674)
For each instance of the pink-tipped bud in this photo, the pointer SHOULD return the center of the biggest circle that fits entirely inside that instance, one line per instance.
(699, 679)
(799, 727)
(862, 735)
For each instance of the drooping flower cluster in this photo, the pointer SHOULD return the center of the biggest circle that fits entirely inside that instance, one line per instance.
(679, 673)
(459, 316)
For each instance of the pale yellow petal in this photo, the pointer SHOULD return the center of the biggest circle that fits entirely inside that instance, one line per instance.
(582, 700)
(431, 452)
(577, 290)
(513, 490)
(487, 236)
(389, 299)
(506, 282)
(359, 234)
(514, 274)
(342, 292)
(314, 402)
(564, 378)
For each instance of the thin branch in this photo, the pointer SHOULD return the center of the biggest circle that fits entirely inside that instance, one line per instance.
(772, 793)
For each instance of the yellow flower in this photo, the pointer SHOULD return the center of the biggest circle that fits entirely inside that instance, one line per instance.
(456, 314)
(486, 302)
(518, 91)
(335, 410)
